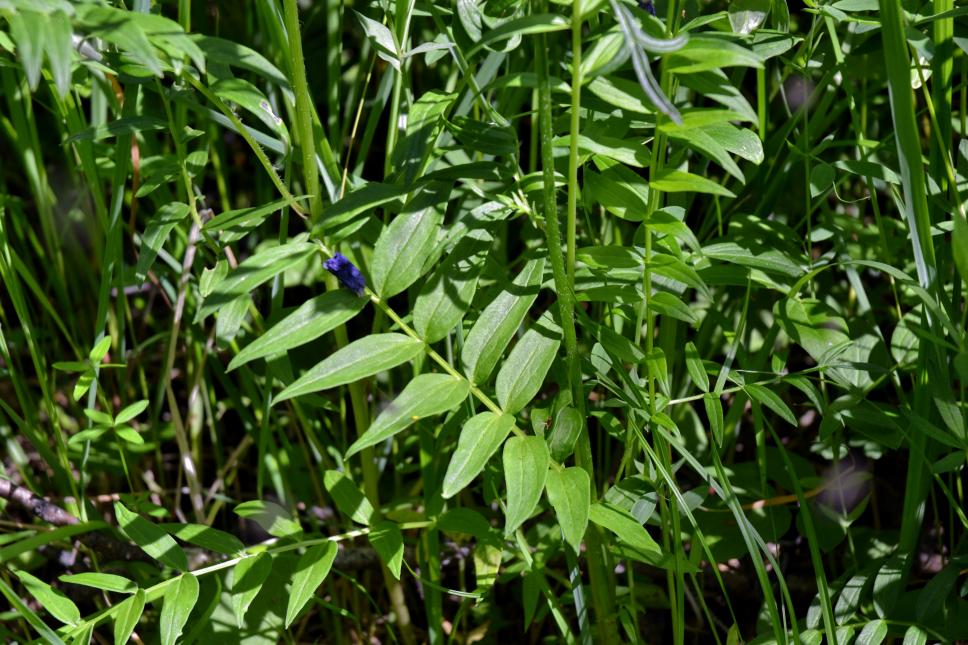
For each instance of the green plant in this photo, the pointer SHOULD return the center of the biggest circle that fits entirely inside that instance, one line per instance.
(483, 318)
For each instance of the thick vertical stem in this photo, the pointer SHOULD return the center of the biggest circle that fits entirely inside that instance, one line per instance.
(601, 589)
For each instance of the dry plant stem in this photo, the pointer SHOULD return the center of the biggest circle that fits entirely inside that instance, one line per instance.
(188, 463)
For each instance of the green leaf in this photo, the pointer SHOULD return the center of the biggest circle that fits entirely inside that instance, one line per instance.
(524, 371)
(347, 496)
(252, 100)
(620, 190)
(355, 206)
(625, 527)
(180, 599)
(156, 234)
(707, 53)
(118, 28)
(564, 434)
(667, 304)
(383, 40)
(205, 537)
(252, 272)
(152, 540)
(670, 180)
(695, 368)
(489, 138)
(105, 581)
(497, 324)
(533, 24)
(359, 359)
(873, 633)
(526, 461)
(465, 520)
(272, 517)
(404, 246)
(130, 412)
(127, 616)
(130, 435)
(447, 295)
(569, 491)
(424, 122)
(247, 578)
(426, 395)
(770, 399)
(387, 540)
(313, 567)
(229, 52)
(714, 410)
(56, 603)
(59, 48)
(311, 320)
(915, 636)
(479, 439)
(959, 245)
(746, 16)
(100, 350)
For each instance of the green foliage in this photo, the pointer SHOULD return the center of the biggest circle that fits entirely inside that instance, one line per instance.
(696, 270)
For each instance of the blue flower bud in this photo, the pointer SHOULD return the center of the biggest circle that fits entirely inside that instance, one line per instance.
(347, 273)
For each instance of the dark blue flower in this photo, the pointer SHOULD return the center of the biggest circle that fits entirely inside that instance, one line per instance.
(347, 273)
(647, 5)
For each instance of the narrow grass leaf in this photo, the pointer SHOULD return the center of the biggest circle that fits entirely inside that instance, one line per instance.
(312, 569)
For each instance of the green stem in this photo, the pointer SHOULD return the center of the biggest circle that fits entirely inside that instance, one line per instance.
(601, 583)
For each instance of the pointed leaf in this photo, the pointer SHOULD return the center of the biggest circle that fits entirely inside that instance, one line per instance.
(361, 358)
(311, 320)
(526, 462)
(770, 399)
(130, 412)
(56, 603)
(387, 540)
(127, 616)
(252, 272)
(426, 395)
(247, 578)
(105, 581)
(405, 245)
(272, 517)
(152, 540)
(497, 324)
(524, 371)
(625, 527)
(347, 496)
(180, 599)
(313, 567)
(569, 491)
(447, 295)
(205, 537)
(479, 439)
